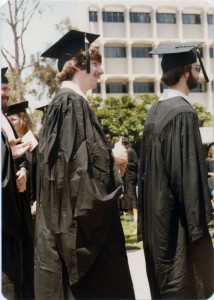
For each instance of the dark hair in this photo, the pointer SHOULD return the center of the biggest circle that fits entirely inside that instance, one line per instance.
(173, 76)
(79, 61)
(125, 141)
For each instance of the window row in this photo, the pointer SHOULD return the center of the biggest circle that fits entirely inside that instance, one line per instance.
(145, 17)
(140, 87)
(138, 52)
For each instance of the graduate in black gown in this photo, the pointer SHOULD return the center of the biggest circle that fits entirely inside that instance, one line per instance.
(174, 199)
(13, 187)
(79, 246)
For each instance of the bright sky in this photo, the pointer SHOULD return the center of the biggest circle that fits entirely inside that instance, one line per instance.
(41, 31)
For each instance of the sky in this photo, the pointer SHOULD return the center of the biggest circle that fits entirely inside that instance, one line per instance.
(41, 31)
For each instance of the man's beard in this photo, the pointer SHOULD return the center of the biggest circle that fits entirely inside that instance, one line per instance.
(192, 82)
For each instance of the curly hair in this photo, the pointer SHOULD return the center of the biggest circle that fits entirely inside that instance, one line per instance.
(79, 61)
(173, 76)
(25, 123)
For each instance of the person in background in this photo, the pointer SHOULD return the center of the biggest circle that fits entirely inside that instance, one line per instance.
(13, 183)
(79, 244)
(209, 161)
(130, 178)
(174, 198)
(21, 122)
(109, 139)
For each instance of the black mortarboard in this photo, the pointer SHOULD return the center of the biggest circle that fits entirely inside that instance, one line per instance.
(16, 108)
(180, 54)
(69, 45)
(42, 108)
(3, 77)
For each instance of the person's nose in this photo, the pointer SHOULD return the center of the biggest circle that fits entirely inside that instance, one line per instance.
(100, 71)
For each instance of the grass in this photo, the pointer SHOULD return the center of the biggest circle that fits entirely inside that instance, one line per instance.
(130, 232)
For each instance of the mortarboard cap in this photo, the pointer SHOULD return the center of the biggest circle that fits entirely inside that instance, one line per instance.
(69, 45)
(180, 54)
(16, 108)
(3, 77)
(42, 108)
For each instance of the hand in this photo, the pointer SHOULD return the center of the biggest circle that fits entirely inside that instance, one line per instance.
(33, 208)
(121, 165)
(21, 180)
(121, 156)
(20, 149)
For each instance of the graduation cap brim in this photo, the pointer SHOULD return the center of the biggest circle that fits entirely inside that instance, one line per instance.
(183, 53)
(16, 108)
(3, 77)
(42, 108)
(176, 48)
(69, 45)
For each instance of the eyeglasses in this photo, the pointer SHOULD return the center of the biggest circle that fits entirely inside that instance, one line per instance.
(198, 68)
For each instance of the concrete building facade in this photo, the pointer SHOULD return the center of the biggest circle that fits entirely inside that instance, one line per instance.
(130, 29)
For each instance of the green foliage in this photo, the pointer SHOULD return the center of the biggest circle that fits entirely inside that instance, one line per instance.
(43, 78)
(130, 233)
(204, 116)
(211, 230)
(124, 116)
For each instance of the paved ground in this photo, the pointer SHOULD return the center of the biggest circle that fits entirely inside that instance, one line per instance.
(138, 273)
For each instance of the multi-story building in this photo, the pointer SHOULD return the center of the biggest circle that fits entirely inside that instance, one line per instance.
(129, 30)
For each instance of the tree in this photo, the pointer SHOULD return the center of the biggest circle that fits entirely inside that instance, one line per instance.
(17, 14)
(124, 116)
(42, 80)
(204, 116)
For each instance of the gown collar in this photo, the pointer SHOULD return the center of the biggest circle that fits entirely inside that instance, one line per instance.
(171, 93)
(74, 87)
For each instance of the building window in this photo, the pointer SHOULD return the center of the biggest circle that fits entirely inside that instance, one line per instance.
(139, 17)
(92, 16)
(201, 88)
(144, 87)
(166, 18)
(97, 90)
(191, 19)
(115, 52)
(211, 52)
(110, 16)
(116, 88)
(210, 19)
(141, 51)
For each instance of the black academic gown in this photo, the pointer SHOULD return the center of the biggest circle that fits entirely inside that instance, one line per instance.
(129, 200)
(27, 227)
(174, 204)
(79, 246)
(11, 220)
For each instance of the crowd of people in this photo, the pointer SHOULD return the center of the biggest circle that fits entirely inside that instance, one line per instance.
(62, 236)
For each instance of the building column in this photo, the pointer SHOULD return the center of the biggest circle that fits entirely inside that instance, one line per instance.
(129, 58)
(157, 87)
(101, 49)
(206, 59)
(154, 24)
(179, 24)
(103, 88)
(131, 90)
(204, 24)
(100, 21)
(127, 22)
